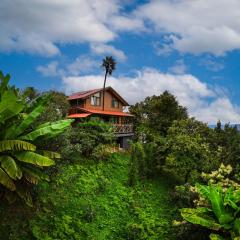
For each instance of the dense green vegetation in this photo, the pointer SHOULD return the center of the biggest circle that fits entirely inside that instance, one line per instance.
(90, 200)
(179, 180)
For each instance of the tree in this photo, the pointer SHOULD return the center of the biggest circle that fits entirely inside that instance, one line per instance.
(30, 93)
(158, 112)
(56, 109)
(21, 160)
(189, 152)
(109, 64)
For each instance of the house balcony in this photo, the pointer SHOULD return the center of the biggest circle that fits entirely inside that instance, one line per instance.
(123, 129)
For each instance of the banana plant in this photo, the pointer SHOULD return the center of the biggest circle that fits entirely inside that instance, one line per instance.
(21, 162)
(222, 213)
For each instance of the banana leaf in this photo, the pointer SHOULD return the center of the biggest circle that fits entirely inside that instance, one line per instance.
(16, 145)
(215, 237)
(200, 216)
(14, 131)
(9, 106)
(51, 130)
(10, 167)
(3, 83)
(34, 158)
(6, 181)
(50, 154)
(35, 173)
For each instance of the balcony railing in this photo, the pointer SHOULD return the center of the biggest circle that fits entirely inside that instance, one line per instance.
(123, 128)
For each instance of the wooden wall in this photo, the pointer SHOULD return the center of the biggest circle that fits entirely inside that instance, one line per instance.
(107, 104)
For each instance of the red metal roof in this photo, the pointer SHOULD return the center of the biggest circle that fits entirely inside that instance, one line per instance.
(86, 94)
(123, 114)
(79, 115)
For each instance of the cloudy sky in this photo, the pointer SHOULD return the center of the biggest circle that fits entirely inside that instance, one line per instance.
(189, 47)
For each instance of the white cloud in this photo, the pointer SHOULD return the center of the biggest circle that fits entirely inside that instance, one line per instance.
(82, 64)
(202, 101)
(50, 70)
(39, 26)
(196, 26)
(103, 49)
(179, 67)
(123, 23)
(211, 64)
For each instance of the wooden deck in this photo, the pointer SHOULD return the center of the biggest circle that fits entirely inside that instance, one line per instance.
(122, 128)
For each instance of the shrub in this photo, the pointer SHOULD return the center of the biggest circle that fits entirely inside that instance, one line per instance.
(137, 165)
(83, 138)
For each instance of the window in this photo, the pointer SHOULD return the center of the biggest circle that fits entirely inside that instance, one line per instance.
(96, 99)
(115, 103)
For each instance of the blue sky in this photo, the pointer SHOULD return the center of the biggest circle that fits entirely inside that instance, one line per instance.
(190, 48)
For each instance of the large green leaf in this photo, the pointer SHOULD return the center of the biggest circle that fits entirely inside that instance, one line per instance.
(34, 158)
(203, 190)
(10, 106)
(216, 199)
(215, 237)
(16, 145)
(200, 216)
(10, 167)
(3, 83)
(50, 154)
(49, 130)
(6, 181)
(14, 131)
(33, 175)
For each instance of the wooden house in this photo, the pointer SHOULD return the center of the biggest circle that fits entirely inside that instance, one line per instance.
(90, 104)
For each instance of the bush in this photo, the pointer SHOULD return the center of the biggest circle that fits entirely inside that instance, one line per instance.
(86, 138)
(137, 165)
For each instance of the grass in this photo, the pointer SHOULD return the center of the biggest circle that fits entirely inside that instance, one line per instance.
(92, 201)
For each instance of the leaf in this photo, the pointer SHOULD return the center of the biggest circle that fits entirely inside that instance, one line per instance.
(216, 200)
(50, 154)
(3, 83)
(6, 181)
(9, 106)
(33, 175)
(49, 130)
(34, 158)
(16, 145)
(10, 167)
(200, 216)
(231, 198)
(237, 226)
(14, 131)
(203, 190)
(25, 195)
(225, 219)
(215, 237)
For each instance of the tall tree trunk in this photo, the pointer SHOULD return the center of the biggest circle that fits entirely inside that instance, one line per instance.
(103, 100)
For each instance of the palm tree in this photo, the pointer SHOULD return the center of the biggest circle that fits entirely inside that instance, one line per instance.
(109, 64)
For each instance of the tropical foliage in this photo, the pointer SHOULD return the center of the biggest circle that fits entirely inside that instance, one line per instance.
(21, 161)
(221, 213)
